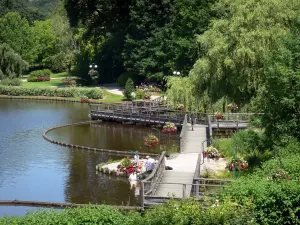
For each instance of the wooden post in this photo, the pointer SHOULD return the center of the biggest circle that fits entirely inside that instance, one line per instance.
(184, 191)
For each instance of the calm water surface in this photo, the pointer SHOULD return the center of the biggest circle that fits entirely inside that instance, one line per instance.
(33, 169)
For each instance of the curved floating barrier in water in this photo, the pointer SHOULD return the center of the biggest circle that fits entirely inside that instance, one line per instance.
(110, 151)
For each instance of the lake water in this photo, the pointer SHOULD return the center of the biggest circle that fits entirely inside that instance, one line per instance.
(33, 169)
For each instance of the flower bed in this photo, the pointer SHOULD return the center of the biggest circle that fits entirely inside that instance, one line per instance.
(169, 128)
(84, 100)
(151, 141)
(126, 166)
(241, 165)
(279, 175)
(212, 153)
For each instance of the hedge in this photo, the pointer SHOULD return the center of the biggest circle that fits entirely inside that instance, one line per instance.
(93, 93)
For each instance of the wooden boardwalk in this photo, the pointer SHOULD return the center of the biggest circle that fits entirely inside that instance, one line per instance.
(184, 166)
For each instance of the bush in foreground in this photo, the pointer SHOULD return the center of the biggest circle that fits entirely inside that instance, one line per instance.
(92, 93)
(184, 212)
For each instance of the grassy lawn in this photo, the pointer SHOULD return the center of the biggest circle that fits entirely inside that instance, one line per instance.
(57, 83)
(59, 75)
(112, 97)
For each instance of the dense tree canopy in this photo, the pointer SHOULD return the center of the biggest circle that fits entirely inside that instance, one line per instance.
(148, 39)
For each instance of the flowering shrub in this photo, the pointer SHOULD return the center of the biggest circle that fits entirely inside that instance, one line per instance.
(151, 141)
(279, 175)
(179, 107)
(126, 166)
(241, 164)
(212, 153)
(218, 115)
(38, 79)
(69, 81)
(169, 128)
(84, 99)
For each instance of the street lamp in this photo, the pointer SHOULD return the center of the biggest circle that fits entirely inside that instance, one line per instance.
(93, 70)
(93, 66)
(176, 73)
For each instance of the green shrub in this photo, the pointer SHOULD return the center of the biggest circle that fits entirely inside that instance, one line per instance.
(192, 212)
(53, 92)
(95, 93)
(129, 88)
(11, 82)
(140, 93)
(83, 215)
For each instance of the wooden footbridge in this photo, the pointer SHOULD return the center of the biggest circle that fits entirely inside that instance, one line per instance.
(184, 180)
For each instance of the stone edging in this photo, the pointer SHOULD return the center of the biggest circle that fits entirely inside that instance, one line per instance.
(61, 99)
(118, 152)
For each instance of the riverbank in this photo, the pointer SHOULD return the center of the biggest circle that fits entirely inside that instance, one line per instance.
(108, 97)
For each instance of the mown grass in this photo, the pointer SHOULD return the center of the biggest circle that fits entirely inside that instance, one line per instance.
(60, 75)
(55, 83)
(109, 97)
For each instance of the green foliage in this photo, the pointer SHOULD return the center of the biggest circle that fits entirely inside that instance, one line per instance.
(24, 7)
(17, 33)
(250, 145)
(11, 82)
(101, 215)
(11, 64)
(93, 93)
(191, 212)
(129, 88)
(124, 77)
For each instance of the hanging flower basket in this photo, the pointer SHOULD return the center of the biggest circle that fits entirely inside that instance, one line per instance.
(212, 153)
(126, 166)
(279, 175)
(169, 128)
(232, 107)
(151, 141)
(179, 107)
(241, 165)
(218, 115)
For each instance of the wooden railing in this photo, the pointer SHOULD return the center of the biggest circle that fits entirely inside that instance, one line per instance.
(150, 184)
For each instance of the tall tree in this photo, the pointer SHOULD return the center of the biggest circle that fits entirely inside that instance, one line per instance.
(237, 46)
(17, 33)
(11, 64)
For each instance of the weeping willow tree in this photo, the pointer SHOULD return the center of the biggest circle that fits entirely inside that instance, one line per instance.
(237, 46)
(11, 64)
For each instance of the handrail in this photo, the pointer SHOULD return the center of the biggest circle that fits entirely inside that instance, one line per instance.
(183, 132)
(161, 158)
(153, 178)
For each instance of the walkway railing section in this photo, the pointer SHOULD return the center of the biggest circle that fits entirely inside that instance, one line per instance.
(150, 184)
(183, 132)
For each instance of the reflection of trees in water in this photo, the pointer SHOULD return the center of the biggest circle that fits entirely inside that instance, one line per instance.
(85, 186)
